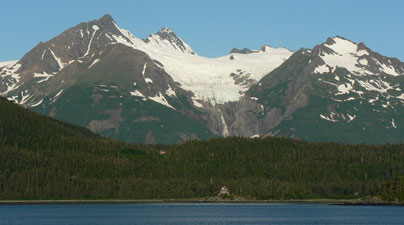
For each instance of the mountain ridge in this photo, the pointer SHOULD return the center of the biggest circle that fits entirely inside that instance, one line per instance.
(246, 93)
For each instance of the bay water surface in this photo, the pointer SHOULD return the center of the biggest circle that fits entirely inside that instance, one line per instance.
(198, 214)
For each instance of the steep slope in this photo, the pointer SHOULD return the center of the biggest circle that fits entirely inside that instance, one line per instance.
(100, 76)
(339, 91)
(126, 96)
(85, 77)
(159, 90)
(26, 129)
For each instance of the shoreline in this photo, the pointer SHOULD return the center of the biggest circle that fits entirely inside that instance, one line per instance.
(342, 202)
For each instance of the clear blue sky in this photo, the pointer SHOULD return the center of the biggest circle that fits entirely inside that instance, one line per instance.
(213, 27)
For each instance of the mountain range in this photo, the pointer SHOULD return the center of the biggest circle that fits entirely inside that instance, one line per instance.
(159, 90)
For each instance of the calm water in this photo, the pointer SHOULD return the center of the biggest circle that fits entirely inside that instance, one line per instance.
(195, 214)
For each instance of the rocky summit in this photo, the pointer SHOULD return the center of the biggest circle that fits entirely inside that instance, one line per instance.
(159, 90)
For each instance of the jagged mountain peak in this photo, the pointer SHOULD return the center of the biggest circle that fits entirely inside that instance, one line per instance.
(341, 45)
(166, 30)
(166, 37)
(71, 45)
(106, 18)
(357, 58)
(168, 34)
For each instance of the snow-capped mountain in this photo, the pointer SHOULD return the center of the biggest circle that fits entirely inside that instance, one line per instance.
(216, 80)
(159, 90)
(337, 91)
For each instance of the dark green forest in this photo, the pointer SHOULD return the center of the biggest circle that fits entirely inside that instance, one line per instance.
(42, 158)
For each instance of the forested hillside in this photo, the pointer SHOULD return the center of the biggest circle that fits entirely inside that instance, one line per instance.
(41, 158)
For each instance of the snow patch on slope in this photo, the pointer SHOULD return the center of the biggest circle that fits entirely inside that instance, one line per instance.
(159, 98)
(58, 60)
(346, 54)
(393, 123)
(35, 104)
(328, 118)
(137, 94)
(54, 98)
(388, 69)
(95, 28)
(148, 80)
(9, 77)
(208, 78)
(170, 92)
(45, 76)
(196, 102)
(94, 62)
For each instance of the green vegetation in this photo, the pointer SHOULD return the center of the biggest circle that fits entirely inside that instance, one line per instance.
(41, 158)
(127, 118)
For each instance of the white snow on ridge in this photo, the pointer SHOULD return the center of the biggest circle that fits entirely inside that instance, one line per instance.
(347, 55)
(13, 78)
(8, 63)
(343, 47)
(158, 42)
(388, 69)
(208, 78)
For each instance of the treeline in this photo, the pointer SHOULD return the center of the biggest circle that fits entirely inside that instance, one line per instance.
(41, 158)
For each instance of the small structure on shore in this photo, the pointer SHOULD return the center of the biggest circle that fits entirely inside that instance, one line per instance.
(224, 192)
(223, 195)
